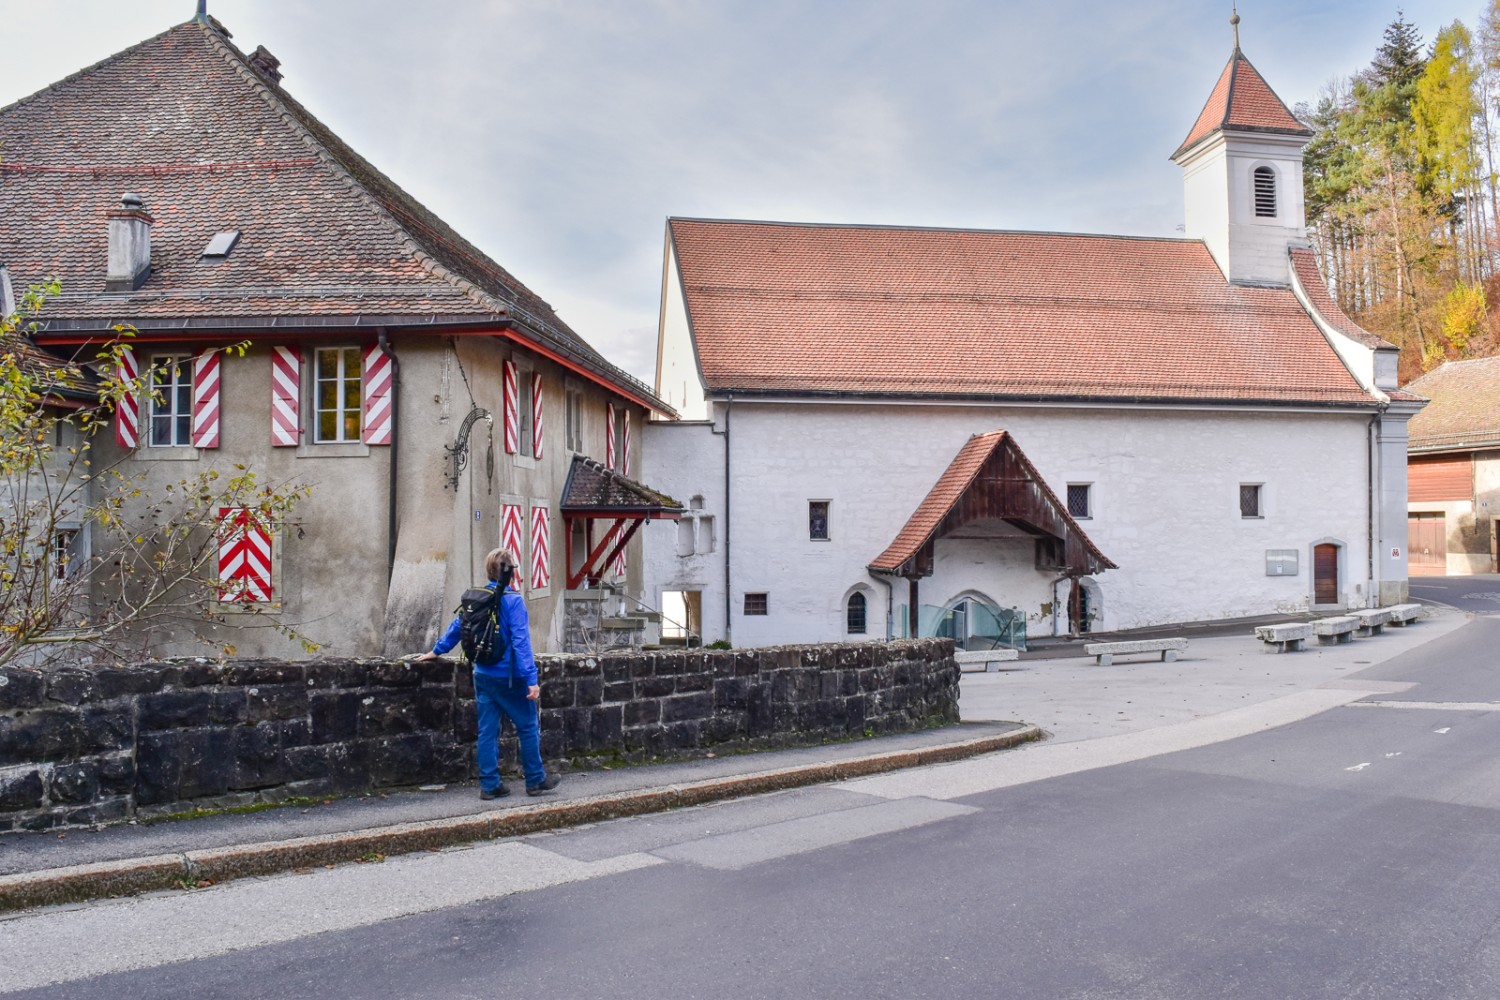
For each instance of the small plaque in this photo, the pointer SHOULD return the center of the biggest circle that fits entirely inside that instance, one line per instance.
(1281, 562)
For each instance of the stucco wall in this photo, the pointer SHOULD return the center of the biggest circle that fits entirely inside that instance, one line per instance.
(1165, 492)
(332, 563)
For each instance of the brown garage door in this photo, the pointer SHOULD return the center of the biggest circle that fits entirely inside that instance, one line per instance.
(1426, 544)
(1440, 478)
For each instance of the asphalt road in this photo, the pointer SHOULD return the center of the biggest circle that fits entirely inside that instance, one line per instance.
(1477, 594)
(1338, 842)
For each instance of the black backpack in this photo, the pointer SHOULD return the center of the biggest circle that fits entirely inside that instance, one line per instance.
(480, 634)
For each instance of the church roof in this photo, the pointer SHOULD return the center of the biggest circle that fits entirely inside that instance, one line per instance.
(1242, 100)
(1465, 410)
(797, 309)
(212, 142)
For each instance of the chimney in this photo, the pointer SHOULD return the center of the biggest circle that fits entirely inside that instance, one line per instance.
(129, 246)
(268, 64)
(7, 294)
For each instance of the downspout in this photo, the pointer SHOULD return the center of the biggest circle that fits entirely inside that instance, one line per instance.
(1372, 449)
(728, 534)
(390, 515)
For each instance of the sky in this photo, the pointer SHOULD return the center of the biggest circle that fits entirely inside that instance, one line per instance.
(559, 135)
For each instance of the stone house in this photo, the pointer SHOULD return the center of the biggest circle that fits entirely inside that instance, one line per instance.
(437, 406)
(895, 430)
(1454, 470)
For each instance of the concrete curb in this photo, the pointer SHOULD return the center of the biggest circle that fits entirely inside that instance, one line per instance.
(168, 871)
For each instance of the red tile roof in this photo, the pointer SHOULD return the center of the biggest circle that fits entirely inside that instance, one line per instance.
(1305, 263)
(798, 309)
(211, 143)
(1242, 100)
(1465, 410)
(955, 481)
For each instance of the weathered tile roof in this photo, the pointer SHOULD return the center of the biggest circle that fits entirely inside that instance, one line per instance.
(807, 309)
(592, 488)
(1465, 410)
(950, 488)
(1305, 263)
(52, 377)
(211, 143)
(1242, 100)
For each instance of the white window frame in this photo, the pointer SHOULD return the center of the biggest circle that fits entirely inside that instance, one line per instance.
(182, 379)
(1088, 500)
(573, 413)
(340, 411)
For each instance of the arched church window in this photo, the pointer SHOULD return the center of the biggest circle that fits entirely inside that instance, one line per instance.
(855, 614)
(1265, 193)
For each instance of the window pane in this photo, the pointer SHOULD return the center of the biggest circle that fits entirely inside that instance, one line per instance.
(756, 604)
(184, 429)
(1249, 501)
(328, 426)
(351, 426)
(1078, 499)
(161, 430)
(817, 519)
(856, 614)
(328, 397)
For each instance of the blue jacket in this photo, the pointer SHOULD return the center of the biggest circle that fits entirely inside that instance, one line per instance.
(518, 662)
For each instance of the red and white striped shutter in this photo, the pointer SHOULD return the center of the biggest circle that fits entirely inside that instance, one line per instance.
(536, 416)
(541, 539)
(620, 559)
(609, 436)
(244, 557)
(206, 370)
(286, 395)
(511, 390)
(377, 392)
(512, 518)
(625, 447)
(128, 414)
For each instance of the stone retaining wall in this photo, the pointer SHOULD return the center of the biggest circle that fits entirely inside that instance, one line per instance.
(86, 745)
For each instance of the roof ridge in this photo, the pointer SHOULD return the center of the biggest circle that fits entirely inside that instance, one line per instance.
(892, 226)
(95, 67)
(239, 63)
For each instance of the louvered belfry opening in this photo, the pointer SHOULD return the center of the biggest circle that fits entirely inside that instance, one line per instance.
(1265, 193)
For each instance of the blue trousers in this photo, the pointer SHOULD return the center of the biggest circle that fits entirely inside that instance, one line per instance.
(493, 695)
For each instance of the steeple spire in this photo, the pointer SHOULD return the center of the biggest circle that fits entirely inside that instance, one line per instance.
(1234, 22)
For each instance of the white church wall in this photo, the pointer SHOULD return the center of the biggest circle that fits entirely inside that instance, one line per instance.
(677, 379)
(1166, 487)
(1391, 526)
(685, 460)
(1002, 571)
(1206, 206)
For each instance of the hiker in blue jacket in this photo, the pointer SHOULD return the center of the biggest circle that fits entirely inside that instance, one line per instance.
(508, 685)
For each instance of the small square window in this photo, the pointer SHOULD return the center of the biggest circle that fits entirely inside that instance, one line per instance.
(817, 520)
(1080, 496)
(756, 604)
(1250, 500)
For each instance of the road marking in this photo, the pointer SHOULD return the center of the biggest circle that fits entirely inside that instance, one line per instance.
(154, 930)
(1039, 761)
(1358, 767)
(1396, 754)
(1434, 706)
(1443, 730)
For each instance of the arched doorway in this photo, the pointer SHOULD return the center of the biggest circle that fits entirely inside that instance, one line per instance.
(975, 622)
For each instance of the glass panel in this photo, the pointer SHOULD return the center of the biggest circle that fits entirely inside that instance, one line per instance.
(161, 430)
(857, 614)
(351, 426)
(184, 429)
(1078, 499)
(817, 519)
(328, 397)
(328, 426)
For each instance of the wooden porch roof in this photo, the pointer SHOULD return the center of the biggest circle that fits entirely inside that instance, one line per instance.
(990, 478)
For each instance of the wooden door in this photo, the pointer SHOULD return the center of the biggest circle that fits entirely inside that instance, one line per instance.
(1325, 574)
(1426, 544)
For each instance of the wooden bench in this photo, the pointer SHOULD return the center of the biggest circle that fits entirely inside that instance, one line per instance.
(1104, 653)
(1404, 614)
(1285, 638)
(986, 660)
(1338, 629)
(1372, 621)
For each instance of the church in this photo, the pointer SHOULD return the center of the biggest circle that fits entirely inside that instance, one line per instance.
(993, 435)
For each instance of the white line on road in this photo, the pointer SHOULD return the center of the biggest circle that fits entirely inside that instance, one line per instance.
(1358, 767)
(64, 944)
(1435, 706)
(1036, 762)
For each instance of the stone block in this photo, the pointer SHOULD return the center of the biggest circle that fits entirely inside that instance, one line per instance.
(258, 758)
(325, 674)
(435, 708)
(335, 716)
(688, 683)
(190, 673)
(312, 762)
(107, 728)
(606, 727)
(72, 686)
(120, 682)
(387, 713)
(731, 694)
(682, 735)
(618, 667)
(395, 673)
(74, 783)
(41, 735)
(588, 691)
(683, 707)
(265, 702)
(650, 740)
(655, 687)
(21, 688)
(557, 694)
(642, 713)
(175, 709)
(575, 729)
(436, 671)
(21, 791)
(116, 774)
(254, 672)
(619, 691)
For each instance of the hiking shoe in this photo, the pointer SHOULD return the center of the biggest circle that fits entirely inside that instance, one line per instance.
(548, 783)
(498, 793)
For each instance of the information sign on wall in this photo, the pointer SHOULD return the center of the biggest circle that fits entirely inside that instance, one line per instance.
(1281, 562)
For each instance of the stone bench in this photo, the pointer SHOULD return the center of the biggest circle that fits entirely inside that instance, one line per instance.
(1404, 614)
(987, 660)
(1372, 621)
(1338, 629)
(1104, 653)
(1285, 638)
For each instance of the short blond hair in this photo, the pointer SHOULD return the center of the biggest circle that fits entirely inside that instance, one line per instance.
(496, 561)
